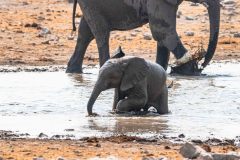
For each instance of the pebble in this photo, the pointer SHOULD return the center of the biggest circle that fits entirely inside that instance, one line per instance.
(46, 42)
(194, 4)
(60, 158)
(39, 158)
(44, 32)
(152, 158)
(225, 156)
(42, 135)
(147, 36)
(227, 2)
(189, 18)
(236, 35)
(188, 150)
(189, 33)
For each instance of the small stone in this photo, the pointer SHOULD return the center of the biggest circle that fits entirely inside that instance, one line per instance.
(98, 145)
(133, 34)
(147, 36)
(181, 136)
(225, 156)
(236, 35)
(167, 147)
(60, 158)
(189, 33)
(179, 13)
(70, 37)
(39, 158)
(194, 4)
(42, 135)
(44, 32)
(188, 150)
(205, 156)
(69, 130)
(227, 2)
(46, 42)
(189, 18)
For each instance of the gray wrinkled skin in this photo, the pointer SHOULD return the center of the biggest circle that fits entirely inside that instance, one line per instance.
(139, 85)
(100, 17)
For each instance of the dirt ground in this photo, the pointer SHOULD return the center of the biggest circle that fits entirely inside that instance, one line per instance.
(115, 147)
(21, 43)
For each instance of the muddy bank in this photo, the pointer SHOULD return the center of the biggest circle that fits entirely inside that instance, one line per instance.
(117, 147)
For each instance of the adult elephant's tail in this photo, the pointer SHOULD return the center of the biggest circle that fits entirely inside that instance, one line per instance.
(74, 15)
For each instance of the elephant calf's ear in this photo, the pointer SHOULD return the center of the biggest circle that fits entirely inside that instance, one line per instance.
(136, 69)
(119, 53)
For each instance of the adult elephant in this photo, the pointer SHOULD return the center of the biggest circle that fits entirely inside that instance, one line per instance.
(102, 16)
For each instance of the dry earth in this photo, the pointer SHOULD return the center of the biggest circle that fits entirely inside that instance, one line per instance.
(20, 42)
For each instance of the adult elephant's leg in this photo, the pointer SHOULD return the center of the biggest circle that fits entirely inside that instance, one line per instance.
(85, 36)
(102, 40)
(162, 55)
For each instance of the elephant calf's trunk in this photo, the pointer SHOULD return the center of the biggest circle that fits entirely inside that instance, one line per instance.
(92, 99)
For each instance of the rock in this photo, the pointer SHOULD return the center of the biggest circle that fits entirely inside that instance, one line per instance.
(1, 158)
(179, 13)
(194, 4)
(236, 35)
(42, 135)
(69, 130)
(44, 32)
(217, 156)
(189, 33)
(188, 150)
(227, 2)
(39, 158)
(181, 136)
(147, 36)
(133, 34)
(189, 18)
(46, 42)
(60, 158)
(205, 156)
(151, 158)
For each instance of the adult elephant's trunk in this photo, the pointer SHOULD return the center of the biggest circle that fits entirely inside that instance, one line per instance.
(213, 7)
(96, 91)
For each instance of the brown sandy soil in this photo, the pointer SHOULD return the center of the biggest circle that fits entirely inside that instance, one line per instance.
(118, 147)
(21, 45)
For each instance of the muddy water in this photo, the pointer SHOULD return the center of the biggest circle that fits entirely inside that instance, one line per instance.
(55, 103)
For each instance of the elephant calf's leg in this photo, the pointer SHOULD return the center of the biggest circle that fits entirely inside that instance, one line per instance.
(162, 105)
(85, 36)
(130, 104)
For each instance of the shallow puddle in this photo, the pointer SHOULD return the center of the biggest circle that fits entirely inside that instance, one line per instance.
(55, 103)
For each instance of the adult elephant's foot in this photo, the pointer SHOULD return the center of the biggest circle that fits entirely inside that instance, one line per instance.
(74, 69)
(190, 68)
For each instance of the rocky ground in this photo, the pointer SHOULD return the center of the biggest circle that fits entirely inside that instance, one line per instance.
(113, 148)
(38, 33)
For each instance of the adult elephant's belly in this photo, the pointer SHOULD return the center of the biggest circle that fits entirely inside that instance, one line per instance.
(123, 16)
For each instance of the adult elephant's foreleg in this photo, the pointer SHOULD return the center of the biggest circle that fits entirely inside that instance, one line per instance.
(162, 55)
(85, 36)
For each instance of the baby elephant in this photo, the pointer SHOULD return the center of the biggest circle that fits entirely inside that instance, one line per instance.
(139, 85)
